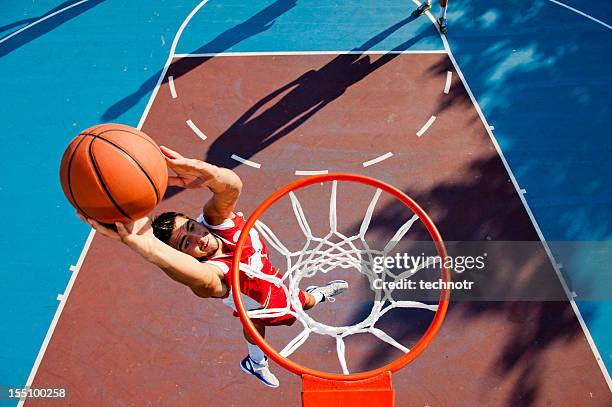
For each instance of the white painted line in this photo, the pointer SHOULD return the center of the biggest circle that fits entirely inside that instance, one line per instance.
(492, 128)
(523, 191)
(377, 159)
(449, 78)
(58, 312)
(319, 172)
(175, 41)
(426, 126)
(560, 265)
(172, 88)
(280, 53)
(196, 130)
(73, 268)
(551, 258)
(60, 297)
(11, 35)
(245, 161)
(608, 26)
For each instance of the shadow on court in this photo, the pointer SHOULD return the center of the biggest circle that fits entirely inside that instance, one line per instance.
(487, 209)
(44, 27)
(538, 70)
(303, 98)
(299, 100)
(257, 24)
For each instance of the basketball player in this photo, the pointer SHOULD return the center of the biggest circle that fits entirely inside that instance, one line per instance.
(426, 5)
(198, 252)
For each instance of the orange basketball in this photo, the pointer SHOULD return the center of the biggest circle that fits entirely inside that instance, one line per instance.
(113, 173)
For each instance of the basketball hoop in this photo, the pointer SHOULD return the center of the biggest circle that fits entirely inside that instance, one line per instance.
(325, 388)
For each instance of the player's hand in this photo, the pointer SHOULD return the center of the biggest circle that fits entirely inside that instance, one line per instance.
(190, 173)
(136, 235)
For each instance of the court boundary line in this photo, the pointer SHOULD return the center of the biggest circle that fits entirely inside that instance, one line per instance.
(58, 312)
(551, 258)
(40, 20)
(172, 55)
(583, 14)
(41, 352)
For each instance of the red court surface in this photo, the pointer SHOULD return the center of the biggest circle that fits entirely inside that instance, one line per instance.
(130, 336)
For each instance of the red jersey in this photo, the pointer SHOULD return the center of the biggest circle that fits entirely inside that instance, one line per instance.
(255, 256)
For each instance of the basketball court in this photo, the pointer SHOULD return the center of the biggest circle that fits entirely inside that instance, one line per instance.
(395, 106)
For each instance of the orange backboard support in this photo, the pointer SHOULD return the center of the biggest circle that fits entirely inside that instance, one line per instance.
(375, 391)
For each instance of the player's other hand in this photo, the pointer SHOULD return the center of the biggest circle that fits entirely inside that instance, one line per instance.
(190, 172)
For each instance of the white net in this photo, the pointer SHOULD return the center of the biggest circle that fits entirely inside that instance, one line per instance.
(324, 254)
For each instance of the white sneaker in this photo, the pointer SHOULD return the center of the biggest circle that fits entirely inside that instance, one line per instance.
(260, 371)
(329, 290)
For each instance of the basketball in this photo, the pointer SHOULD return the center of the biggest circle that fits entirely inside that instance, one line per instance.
(113, 173)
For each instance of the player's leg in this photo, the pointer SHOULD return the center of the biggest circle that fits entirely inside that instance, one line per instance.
(311, 300)
(256, 362)
(425, 6)
(442, 19)
(255, 353)
(315, 294)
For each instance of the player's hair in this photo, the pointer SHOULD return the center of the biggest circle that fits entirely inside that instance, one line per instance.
(163, 225)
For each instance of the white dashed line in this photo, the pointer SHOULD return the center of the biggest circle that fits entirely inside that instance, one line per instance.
(426, 126)
(377, 159)
(195, 129)
(245, 161)
(320, 172)
(172, 88)
(449, 78)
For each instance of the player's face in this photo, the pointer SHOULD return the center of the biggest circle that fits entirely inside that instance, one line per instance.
(193, 239)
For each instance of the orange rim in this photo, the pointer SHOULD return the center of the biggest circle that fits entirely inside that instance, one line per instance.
(296, 368)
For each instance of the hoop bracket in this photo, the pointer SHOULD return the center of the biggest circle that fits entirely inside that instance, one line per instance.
(374, 391)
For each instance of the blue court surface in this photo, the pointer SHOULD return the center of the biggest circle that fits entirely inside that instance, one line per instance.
(540, 72)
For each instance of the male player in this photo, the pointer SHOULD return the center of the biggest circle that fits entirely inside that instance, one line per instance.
(426, 5)
(198, 253)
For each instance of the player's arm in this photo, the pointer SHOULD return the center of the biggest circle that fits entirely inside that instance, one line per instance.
(204, 280)
(223, 183)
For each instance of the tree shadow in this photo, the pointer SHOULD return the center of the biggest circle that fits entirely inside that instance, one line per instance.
(488, 210)
(258, 23)
(302, 98)
(43, 27)
(536, 83)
